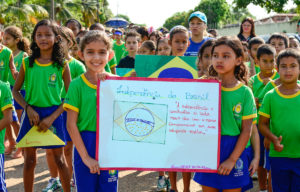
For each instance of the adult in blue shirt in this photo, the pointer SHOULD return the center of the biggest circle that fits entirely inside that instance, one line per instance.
(197, 25)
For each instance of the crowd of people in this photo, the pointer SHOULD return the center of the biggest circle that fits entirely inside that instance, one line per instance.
(51, 81)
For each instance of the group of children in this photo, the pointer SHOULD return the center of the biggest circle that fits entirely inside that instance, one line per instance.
(53, 82)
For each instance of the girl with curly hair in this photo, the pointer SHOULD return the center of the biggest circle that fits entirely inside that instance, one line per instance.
(44, 74)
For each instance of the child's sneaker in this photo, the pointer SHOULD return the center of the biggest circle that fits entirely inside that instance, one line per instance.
(53, 185)
(73, 187)
(163, 184)
(254, 176)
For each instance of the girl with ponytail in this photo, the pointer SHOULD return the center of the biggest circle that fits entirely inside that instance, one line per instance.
(14, 40)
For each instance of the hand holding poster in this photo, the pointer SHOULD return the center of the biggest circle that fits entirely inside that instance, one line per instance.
(158, 124)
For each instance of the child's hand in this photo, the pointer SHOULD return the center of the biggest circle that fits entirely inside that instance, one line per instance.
(133, 74)
(253, 166)
(103, 76)
(45, 124)
(33, 116)
(226, 167)
(266, 81)
(92, 164)
(277, 146)
(267, 143)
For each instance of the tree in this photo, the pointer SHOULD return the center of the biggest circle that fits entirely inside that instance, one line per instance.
(270, 5)
(21, 14)
(216, 11)
(238, 14)
(176, 19)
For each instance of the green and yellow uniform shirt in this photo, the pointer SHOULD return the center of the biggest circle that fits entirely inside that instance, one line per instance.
(124, 54)
(5, 103)
(76, 69)
(5, 56)
(119, 50)
(271, 85)
(257, 84)
(237, 104)
(257, 69)
(18, 63)
(82, 98)
(283, 112)
(43, 84)
(112, 61)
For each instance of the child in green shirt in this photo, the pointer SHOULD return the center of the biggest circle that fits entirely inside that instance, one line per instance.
(278, 122)
(253, 45)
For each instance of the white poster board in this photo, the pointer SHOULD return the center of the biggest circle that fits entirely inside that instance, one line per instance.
(158, 124)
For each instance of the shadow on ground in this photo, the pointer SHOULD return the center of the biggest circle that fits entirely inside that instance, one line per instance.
(130, 181)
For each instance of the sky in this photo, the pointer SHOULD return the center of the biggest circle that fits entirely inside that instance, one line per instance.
(155, 12)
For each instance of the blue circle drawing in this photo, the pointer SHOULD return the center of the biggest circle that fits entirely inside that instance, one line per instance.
(139, 122)
(175, 72)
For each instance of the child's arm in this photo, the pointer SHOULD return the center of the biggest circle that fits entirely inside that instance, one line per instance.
(48, 121)
(91, 163)
(264, 128)
(7, 118)
(13, 69)
(33, 116)
(226, 167)
(256, 148)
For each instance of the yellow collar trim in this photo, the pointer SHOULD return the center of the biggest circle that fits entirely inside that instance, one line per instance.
(286, 96)
(274, 74)
(273, 83)
(68, 61)
(233, 88)
(87, 82)
(1, 47)
(42, 65)
(272, 77)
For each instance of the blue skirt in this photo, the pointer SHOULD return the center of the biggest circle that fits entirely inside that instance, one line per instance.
(86, 181)
(239, 175)
(43, 112)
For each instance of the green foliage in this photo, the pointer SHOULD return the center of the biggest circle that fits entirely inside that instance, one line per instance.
(177, 19)
(216, 11)
(270, 5)
(26, 13)
(238, 14)
(21, 14)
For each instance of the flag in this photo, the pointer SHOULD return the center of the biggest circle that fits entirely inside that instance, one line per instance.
(34, 138)
(158, 66)
(124, 72)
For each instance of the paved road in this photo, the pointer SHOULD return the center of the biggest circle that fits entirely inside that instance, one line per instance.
(130, 181)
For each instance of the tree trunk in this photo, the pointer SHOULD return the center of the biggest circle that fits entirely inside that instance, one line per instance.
(52, 12)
